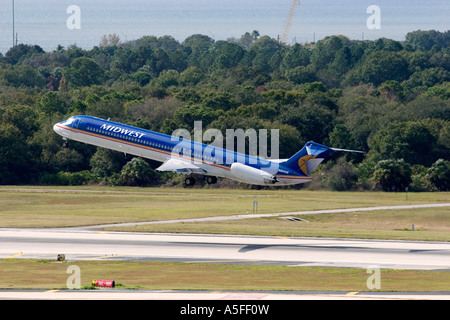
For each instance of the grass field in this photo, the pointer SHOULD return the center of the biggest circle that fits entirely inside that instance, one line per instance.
(33, 207)
(69, 206)
(429, 225)
(42, 274)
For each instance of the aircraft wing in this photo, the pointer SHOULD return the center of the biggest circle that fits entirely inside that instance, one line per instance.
(180, 166)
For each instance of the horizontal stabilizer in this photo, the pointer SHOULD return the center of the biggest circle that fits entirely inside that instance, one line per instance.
(345, 150)
(180, 166)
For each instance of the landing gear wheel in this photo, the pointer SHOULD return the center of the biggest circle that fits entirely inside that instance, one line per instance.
(189, 182)
(211, 180)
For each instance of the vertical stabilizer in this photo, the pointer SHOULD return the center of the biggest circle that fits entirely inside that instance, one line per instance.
(306, 160)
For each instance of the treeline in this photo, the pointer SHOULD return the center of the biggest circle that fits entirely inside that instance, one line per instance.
(388, 98)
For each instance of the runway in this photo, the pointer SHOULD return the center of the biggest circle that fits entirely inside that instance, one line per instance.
(79, 244)
(214, 295)
(91, 243)
(355, 253)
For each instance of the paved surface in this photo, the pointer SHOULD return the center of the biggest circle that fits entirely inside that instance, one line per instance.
(91, 243)
(113, 294)
(48, 243)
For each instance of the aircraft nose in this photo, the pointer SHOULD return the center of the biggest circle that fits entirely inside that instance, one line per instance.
(58, 129)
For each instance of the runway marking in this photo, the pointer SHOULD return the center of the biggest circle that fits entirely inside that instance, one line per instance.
(14, 256)
(282, 238)
(221, 261)
(51, 291)
(102, 257)
(243, 296)
(352, 293)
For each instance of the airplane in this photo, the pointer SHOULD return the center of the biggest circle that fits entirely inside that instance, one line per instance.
(190, 157)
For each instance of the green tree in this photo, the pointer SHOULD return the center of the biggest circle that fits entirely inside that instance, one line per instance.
(442, 91)
(427, 39)
(264, 54)
(340, 137)
(106, 162)
(51, 103)
(159, 61)
(166, 79)
(223, 55)
(84, 72)
(300, 75)
(197, 45)
(411, 141)
(246, 39)
(392, 175)
(191, 113)
(326, 51)
(427, 78)
(392, 90)
(107, 108)
(15, 160)
(128, 60)
(138, 172)
(20, 52)
(378, 67)
(221, 100)
(191, 76)
(24, 76)
(384, 44)
(152, 112)
(296, 56)
(439, 174)
(23, 117)
(364, 113)
(314, 122)
(343, 176)
(68, 160)
(143, 75)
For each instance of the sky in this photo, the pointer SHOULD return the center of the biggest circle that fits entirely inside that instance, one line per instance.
(45, 22)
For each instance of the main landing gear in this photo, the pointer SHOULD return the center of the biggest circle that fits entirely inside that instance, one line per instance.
(211, 180)
(190, 181)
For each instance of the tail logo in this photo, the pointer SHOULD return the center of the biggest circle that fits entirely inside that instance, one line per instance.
(302, 162)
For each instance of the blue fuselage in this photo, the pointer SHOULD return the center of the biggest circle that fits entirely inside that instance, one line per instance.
(215, 161)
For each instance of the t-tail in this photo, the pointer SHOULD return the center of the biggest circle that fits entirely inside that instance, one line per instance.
(310, 156)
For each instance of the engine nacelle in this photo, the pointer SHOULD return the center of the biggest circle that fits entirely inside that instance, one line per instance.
(252, 175)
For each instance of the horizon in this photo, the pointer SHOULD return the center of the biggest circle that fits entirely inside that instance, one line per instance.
(46, 24)
(215, 40)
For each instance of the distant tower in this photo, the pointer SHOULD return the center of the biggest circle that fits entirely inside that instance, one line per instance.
(14, 32)
(288, 25)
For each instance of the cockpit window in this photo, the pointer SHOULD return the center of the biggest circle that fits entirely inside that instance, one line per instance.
(69, 121)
